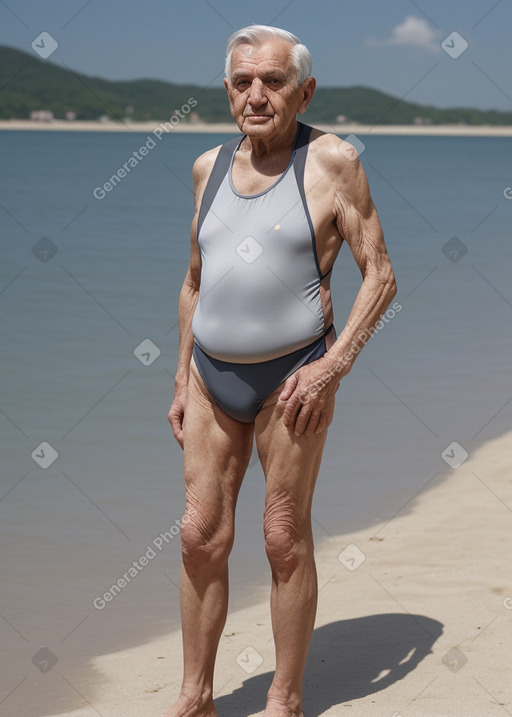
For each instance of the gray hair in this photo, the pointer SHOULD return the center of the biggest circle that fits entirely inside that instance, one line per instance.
(255, 34)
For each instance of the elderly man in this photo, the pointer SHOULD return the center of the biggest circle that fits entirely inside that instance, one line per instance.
(259, 356)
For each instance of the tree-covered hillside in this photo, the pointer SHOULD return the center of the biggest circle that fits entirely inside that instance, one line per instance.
(28, 83)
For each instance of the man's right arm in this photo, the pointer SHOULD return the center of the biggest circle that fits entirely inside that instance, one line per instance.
(188, 299)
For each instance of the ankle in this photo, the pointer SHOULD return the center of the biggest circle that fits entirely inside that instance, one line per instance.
(192, 703)
(196, 698)
(290, 703)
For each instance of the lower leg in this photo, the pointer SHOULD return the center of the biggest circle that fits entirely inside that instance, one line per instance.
(203, 603)
(293, 605)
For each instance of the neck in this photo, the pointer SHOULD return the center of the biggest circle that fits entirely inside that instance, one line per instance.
(261, 146)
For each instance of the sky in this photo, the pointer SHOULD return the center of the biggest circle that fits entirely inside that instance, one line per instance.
(394, 46)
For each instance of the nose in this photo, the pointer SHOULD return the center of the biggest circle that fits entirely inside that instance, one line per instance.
(257, 95)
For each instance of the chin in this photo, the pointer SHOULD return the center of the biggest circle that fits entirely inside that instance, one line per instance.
(257, 127)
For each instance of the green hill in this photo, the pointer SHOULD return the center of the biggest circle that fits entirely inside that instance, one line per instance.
(28, 83)
(362, 104)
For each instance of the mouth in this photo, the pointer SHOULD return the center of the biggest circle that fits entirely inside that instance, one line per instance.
(254, 116)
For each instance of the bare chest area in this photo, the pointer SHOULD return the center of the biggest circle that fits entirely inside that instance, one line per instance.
(249, 178)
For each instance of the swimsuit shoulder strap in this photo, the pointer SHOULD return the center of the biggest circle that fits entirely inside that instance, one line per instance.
(299, 163)
(218, 173)
(301, 151)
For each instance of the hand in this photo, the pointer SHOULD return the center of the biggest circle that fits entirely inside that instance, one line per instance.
(307, 393)
(177, 412)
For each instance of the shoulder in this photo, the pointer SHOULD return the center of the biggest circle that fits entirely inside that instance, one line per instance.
(201, 171)
(339, 162)
(334, 154)
(204, 164)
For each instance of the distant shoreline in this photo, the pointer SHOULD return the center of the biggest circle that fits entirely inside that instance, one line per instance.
(231, 128)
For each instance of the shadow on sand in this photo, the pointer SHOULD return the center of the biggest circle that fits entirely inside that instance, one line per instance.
(348, 659)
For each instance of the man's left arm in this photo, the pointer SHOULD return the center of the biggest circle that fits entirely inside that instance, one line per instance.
(308, 390)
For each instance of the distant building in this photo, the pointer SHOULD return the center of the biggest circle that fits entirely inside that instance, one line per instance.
(70, 115)
(41, 115)
(341, 119)
(195, 118)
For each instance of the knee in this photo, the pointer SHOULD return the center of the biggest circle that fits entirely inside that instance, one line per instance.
(286, 536)
(204, 541)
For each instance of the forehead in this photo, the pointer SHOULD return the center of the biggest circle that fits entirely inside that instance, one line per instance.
(262, 56)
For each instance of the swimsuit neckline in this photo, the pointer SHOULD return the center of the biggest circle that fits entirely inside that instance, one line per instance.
(272, 186)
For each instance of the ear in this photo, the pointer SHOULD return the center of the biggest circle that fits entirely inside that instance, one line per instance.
(308, 90)
(228, 90)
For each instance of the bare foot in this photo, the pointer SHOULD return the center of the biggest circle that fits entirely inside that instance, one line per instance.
(185, 707)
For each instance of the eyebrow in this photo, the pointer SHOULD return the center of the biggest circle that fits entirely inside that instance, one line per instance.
(276, 72)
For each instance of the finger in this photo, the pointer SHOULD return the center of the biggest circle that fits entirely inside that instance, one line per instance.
(176, 421)
(293, 406)
(177, 430)
(288, 388)
(313, 422)
(322, 423)
(302, 419)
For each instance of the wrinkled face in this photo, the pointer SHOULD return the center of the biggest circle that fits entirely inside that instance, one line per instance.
(263, 91)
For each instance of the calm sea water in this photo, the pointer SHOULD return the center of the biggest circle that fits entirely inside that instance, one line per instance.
(85, 281)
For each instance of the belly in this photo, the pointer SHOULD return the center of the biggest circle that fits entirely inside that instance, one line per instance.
(245, 319)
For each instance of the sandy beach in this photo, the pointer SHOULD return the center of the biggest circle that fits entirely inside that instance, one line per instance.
(413, 619)
(228, 128)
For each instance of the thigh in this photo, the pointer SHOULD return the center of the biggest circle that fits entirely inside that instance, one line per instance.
(217, 450)
(291, 463)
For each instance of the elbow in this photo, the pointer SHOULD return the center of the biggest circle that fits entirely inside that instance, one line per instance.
(382, 277)
(392, 286)
(388, 282)
(192, 280)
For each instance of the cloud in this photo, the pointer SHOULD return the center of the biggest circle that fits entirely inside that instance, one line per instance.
(413, 31)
